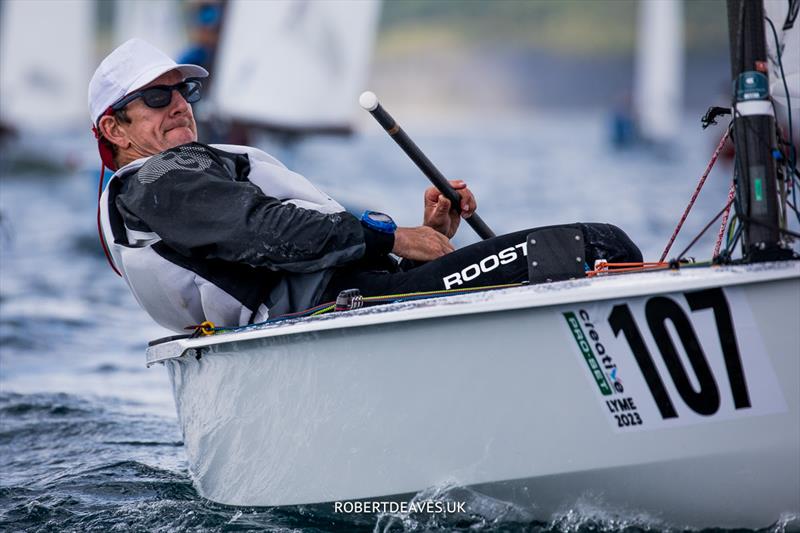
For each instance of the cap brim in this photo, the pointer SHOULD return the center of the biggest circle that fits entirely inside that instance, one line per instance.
(188, 71)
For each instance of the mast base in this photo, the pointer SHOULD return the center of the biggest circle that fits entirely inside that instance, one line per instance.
(759, 253)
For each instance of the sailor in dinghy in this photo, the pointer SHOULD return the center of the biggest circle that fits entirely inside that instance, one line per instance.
(228, 234)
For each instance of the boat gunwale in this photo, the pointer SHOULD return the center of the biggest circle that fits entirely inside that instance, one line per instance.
(531, 296)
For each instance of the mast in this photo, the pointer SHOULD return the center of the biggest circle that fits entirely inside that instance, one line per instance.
(754, 133)
(45, 51)
(294, 67)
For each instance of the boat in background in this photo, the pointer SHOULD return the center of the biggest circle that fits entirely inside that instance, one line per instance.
(659, 72)
(288, 70)
(672, 394)
(159, 22)
(44, 64)
(294, 67)
(650, 115)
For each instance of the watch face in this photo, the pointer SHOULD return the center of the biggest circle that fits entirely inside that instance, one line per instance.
(380, 217)
(378, 221)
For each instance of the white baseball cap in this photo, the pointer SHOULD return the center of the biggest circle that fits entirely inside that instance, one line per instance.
(132, 65)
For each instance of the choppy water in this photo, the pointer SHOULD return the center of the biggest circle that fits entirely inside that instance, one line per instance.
(88, 436)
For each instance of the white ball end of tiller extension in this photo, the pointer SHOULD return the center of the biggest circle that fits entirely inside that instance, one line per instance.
(368, 100)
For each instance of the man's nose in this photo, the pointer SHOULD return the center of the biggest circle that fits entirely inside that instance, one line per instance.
(178, 103)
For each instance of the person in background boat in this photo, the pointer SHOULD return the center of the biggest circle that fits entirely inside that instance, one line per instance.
(622, 130)
(204, 25)
(228, 234)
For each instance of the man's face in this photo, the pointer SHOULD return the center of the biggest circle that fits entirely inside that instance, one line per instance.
(151, 131)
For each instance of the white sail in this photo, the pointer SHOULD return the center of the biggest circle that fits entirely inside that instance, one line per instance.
(158, 22)
(46, 49)
(658, 73)
(297, 64)
(787, 29)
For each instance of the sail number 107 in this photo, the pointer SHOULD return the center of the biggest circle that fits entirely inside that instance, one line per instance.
(658, 311)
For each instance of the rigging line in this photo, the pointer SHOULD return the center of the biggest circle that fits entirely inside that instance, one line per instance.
(779, 53)
(329, 306)
(624, 268)
(732, 228)
(731, 194)
(732, 244)
(764, 144)
(442, 292)
(697, 238)
(323, 310)
(696, 193)
(794, 207)
(781, 230)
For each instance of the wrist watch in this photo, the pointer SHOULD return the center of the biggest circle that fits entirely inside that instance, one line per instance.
(379, 222)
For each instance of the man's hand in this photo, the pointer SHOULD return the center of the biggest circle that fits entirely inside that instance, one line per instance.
(438, 214)
(420, 244)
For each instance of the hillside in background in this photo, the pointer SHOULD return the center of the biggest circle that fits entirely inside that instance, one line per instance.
(581, 27)
(506, 55)
(494, 56)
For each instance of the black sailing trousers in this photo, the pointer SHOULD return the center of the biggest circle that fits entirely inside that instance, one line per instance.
(495, 261)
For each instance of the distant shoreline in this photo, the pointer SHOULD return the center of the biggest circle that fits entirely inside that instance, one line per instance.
(506, 77)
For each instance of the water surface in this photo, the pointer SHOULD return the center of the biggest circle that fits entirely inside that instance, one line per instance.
(89, 439)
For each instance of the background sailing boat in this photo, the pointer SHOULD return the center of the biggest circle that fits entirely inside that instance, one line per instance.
(658, 71)
(46, 56)
(294, 67)
(159, 22)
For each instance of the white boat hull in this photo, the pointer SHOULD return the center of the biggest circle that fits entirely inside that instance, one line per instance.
(495, 392)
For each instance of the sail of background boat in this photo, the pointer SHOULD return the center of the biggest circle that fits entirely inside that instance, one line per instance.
(159, 22)
(659, 71)
(294, 66)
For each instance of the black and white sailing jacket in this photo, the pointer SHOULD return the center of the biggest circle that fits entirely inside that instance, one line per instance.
(227, 234)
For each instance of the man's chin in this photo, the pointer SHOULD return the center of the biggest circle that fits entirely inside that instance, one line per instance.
(178, 136)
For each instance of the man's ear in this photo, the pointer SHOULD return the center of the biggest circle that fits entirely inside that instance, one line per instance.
(111, 129)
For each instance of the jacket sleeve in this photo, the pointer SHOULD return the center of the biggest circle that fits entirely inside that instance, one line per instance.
(190, 199)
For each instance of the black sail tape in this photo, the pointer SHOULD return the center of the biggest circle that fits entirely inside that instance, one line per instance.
(556, 253)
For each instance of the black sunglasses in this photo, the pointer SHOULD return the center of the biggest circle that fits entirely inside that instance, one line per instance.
(161, 95)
